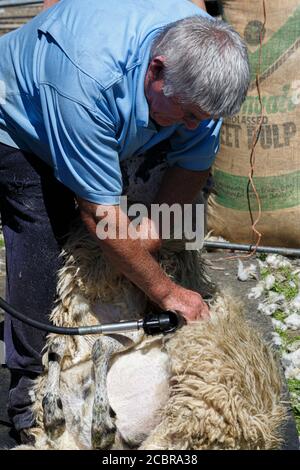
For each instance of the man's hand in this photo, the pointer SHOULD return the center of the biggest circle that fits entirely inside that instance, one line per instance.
(188, 303)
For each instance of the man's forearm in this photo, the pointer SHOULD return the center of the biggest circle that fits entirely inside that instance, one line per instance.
(129, 256)
(138, 265)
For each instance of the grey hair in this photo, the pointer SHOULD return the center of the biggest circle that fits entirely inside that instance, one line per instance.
(206, 64)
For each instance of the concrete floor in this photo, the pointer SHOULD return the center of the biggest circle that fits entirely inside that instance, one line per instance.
(223, 272)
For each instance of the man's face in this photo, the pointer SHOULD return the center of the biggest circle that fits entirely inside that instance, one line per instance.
(166, 111)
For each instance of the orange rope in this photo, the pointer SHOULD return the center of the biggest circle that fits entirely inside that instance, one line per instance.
(255, 138)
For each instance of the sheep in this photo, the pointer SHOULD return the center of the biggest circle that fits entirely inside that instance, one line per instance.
(220, 388)
(224, 387)
(217, 383)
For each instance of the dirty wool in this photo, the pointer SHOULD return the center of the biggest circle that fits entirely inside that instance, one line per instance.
(212, 385)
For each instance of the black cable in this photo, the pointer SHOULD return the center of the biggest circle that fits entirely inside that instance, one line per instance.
(154, 322)
(36, 324)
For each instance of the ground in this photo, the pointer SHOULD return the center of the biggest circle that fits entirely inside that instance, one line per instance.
(224, 272)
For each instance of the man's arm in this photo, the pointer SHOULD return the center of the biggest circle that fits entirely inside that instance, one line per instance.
(49, 3)
(134, 260)
(199, 3)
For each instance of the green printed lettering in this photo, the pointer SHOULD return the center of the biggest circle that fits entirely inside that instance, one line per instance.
(275, 192)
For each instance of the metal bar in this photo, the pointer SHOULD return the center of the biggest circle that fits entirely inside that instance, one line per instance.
(13, 3)
(259, 249)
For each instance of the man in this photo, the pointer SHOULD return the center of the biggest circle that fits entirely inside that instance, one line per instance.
(85, 85)
(49, 3)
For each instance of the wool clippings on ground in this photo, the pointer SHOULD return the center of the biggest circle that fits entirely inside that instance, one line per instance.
(246, 273)
(279, 292)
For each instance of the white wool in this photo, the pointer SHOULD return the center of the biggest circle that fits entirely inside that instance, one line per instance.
(267, 309)
(245, 273)
(293, 321)
(278, 261)
(279, 324)
(295, 303)
(137, 387)
(276, 339)
(269, 281)
(256, 291)
(292, 359)
(292, 373)
(212, 238)
(293, 346)
(261, 264)
(276, 298)
(272, 260)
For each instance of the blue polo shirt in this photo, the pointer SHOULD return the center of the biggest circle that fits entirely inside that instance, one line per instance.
(72, 92)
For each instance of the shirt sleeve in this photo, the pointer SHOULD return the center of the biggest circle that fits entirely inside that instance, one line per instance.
(83, 146)
(197, 149)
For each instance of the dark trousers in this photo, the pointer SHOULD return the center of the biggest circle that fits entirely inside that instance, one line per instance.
(36, 212)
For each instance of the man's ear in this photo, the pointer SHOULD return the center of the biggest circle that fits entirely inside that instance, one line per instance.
(156, 67)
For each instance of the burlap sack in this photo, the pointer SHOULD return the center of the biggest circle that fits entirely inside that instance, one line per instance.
(277, 167)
